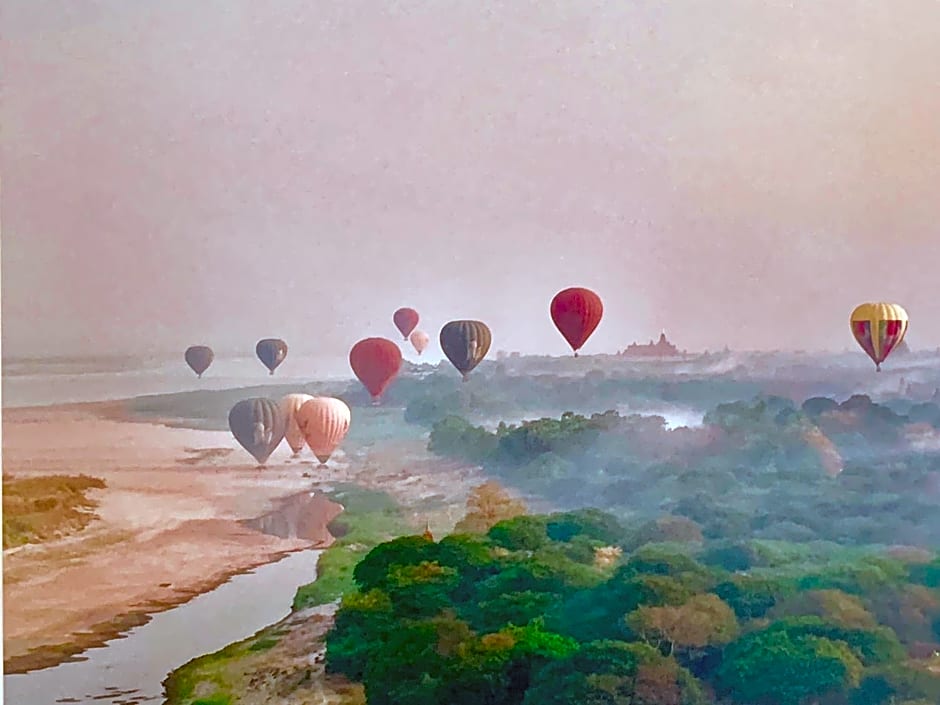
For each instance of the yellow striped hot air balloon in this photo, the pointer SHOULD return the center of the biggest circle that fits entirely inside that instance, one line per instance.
(879, 328)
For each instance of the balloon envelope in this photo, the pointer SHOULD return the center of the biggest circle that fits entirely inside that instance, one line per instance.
(406, 319)
(576, 313)
(419, 340)
(289, 406)
(879, 328)
(258, 425)
(375, 361)
(271, 351)
(199, 357)
(465, 343)
(324, 422)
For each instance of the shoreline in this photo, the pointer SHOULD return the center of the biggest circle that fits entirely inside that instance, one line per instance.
(172, 523)
(118, 628)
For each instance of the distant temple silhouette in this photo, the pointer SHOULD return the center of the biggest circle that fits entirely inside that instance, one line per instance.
(661, 348)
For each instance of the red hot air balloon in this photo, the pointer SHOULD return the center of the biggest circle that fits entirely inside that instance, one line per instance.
(406, 320)
(375, 362)
(576, 313)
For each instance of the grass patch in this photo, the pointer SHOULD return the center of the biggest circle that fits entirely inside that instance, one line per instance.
(263, 644)
(370, 517)
(37, 509)
(181, 684)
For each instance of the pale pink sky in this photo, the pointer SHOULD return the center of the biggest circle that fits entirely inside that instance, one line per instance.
(736, 171)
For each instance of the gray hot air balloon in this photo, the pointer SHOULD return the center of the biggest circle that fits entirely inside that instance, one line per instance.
(199, 357)
(465, 343)
(258, 425)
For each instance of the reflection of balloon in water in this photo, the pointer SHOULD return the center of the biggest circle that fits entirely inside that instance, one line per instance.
(324, 422)
(375, 361)
(199, 357)
(576, 313)
(419, 339)
(258, 425)
(271, 351)
(406, 319)
(289, 406)
(879, 328)
(465, 343)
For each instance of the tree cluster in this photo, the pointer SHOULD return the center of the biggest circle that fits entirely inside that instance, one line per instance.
(525, 614)
(852, 473)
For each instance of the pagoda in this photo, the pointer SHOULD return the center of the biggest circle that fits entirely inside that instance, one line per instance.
(661, 348)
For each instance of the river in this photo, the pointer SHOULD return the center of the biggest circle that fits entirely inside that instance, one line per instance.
(130, 670)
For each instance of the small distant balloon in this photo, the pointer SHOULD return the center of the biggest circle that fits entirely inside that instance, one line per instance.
(271, 352)
(406, 320)
(419, 340)
(324, 422)
(289, 406)
(199, 357)
(376, 362)
(879, 328)
(465, 343)
(258, 425)
(576, 313)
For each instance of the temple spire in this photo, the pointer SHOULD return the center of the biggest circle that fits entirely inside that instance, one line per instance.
(427, 530)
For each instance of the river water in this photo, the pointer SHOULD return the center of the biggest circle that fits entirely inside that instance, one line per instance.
(130, 670)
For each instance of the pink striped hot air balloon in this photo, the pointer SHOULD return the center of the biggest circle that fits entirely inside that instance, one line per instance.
(324, 422)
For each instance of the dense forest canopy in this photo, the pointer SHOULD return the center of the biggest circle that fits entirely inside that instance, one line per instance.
(535, 612)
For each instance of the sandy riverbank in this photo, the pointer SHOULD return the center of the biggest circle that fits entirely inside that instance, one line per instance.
(171, 526)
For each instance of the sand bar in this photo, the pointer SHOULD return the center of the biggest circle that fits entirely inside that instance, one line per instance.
(171, 526)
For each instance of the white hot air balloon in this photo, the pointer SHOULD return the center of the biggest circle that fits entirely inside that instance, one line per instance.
(290, 405)
(419, 339)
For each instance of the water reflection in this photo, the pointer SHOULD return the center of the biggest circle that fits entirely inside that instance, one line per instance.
(302, 516)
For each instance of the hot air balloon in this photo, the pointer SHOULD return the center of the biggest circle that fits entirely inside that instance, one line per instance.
(258, 425)
(576, 313)
(879, 328)
(271, 351)
(419, 339)
(406, 319)
(324, 422)
(289, 406)
(465, 343)
(199, 357)
(375, 361)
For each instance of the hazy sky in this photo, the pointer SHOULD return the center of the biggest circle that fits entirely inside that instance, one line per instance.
(736, 171)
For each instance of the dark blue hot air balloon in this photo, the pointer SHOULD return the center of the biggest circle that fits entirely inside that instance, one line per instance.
(271, 351)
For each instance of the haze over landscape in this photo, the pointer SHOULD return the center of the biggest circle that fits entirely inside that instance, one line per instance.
(740, 173)
(324, 310)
